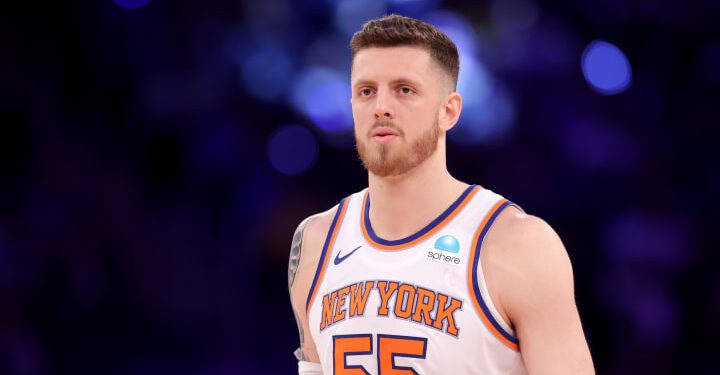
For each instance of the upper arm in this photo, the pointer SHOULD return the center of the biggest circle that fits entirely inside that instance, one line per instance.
(304, 257)
(532, 279)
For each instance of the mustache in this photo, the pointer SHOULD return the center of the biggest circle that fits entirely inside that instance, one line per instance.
(387, 124)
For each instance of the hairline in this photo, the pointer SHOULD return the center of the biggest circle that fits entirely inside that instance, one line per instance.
(446, 78)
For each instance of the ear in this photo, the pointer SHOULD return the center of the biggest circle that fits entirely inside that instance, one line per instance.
(450, 111)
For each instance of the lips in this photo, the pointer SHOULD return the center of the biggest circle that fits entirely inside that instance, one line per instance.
(383, 132)
(384, 138)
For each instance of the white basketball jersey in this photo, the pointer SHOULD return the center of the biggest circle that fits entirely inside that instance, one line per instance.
(418, 305)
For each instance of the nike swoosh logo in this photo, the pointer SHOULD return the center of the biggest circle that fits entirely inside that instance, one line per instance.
(339, 259)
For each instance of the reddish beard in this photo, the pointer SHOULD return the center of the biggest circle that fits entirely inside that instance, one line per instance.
(397, 157)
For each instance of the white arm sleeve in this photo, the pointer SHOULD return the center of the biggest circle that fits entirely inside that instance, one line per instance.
(309, 368)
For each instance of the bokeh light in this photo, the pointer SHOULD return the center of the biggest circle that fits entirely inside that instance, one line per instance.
(606, 68)
(323, 95)
(457, 28)
(205, 132)
(330, 51)
(351, 14)
(267, 72)
(292, 150)
(488, 112)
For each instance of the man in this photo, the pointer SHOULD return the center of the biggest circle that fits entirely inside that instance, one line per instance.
(421, 273)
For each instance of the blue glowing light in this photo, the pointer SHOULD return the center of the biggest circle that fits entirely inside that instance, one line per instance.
(447, 243)
(351, 14)
(457, 28)
(329, 50)
(267, 72)
(488, 113)
(606, 68)
(474, 81)
(292, 150)
(132, 4)
(323, 95)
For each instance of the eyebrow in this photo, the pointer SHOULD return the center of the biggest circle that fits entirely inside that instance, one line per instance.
(396, 81)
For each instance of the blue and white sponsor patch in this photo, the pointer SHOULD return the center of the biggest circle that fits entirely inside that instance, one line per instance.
(447, 243)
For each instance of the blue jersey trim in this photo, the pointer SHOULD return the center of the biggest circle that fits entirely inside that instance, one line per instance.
(429, 227)
(476, 287)
(324, 254)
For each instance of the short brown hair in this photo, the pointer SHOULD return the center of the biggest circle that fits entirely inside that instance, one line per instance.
(395, 30)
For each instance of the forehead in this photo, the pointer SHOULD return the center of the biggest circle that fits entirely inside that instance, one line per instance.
(388, 63)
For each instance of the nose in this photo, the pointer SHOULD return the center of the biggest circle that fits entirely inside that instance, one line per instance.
(384, 105)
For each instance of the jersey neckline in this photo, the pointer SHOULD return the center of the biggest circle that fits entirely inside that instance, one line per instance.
(447, 215)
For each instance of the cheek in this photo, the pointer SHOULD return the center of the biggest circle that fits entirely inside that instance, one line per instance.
(360, 124)
(423, 117)
(360, 111)
(421, 108)
(356, 114)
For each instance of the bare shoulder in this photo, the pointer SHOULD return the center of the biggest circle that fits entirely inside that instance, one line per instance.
(307, 244)
(525, 261)
(317, 228)
(304, 257)
(531, 276)
(525, 239)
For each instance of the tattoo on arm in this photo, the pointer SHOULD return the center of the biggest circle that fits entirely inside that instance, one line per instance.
(293, 263)
(295, 250)
(299, 352)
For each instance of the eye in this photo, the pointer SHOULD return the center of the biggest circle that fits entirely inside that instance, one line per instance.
(405, 90)
(365, 92)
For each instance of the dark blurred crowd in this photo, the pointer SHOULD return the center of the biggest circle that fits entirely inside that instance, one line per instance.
(146, 217)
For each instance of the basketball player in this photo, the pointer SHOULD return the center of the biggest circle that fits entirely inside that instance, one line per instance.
(421, 273)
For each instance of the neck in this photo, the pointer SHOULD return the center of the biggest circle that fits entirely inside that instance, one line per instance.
(418, 197)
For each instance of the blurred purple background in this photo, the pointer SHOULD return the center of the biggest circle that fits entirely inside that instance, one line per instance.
(156, 156)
